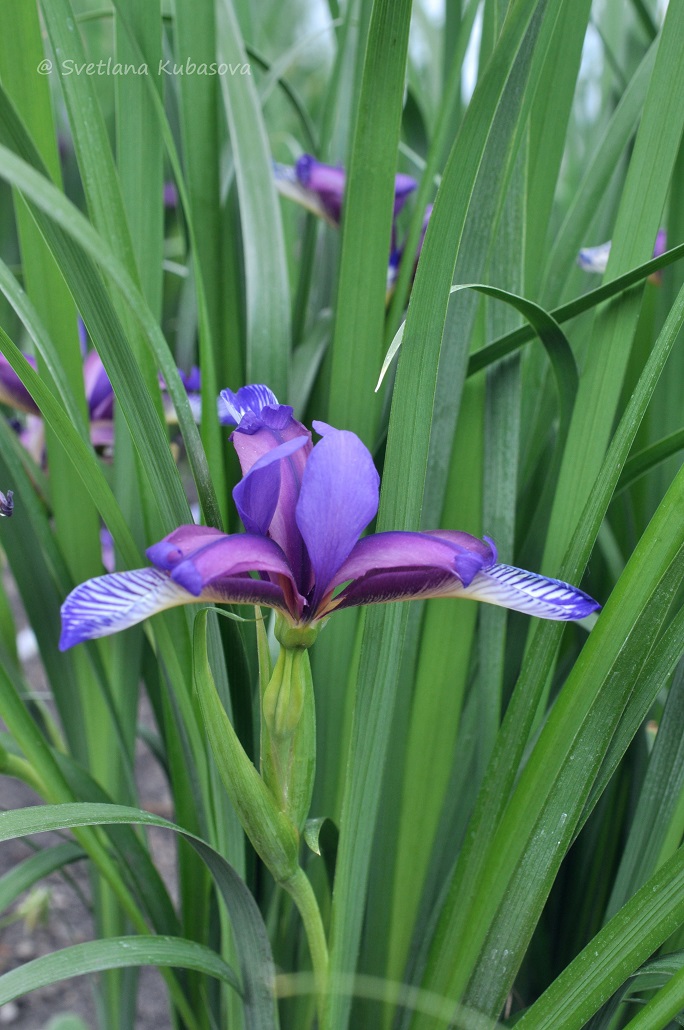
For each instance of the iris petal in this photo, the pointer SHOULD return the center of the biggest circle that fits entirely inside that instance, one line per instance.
(111, 603)
(338, 498)
(458, 554)
(530, 593)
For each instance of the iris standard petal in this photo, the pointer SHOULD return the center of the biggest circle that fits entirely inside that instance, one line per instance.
(249, 400)
(108, 604)
(338, 498)
(266, 499)
(262, 424)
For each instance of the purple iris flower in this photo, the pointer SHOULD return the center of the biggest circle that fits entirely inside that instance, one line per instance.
(99, 398)
(595, 259)
(12, 390)
(304, 508)
(6, 503)
(320, 187)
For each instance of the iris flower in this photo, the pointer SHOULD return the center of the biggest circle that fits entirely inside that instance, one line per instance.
(304, 508)
(595, 259)
(320, 187)
(6, 503)
(99, 398)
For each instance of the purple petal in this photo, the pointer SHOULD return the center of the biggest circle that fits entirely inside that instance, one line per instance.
(229, 555)
(458, 554)
(338, 498)
(82, 336)
(98, 389)
(180, 544)
(249, 400)
(266, 499)
(404, 185)
(325, 181)
(202, 559)
(111, 603)
(6, 503)
(12, 390)
(192, 380)
(660, 245)
(32, 437)
(170, 195)
(530, 593)
(329, 182)
(102, 436)
(501, 585)
(263, 425)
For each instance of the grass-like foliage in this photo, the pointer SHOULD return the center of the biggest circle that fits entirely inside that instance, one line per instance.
(491, 833)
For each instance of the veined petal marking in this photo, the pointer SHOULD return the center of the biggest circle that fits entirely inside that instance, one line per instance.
(108, 604)
(531, 593)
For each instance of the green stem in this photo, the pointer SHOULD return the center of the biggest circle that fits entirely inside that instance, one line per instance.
(300, 890)
(20, 769)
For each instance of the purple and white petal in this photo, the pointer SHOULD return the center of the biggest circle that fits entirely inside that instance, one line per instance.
(262, 424)
(108, 604)
(594, 259)
(501, 585)
(6, 503)
(249, 400)
(530, 593)
(102, 436)
(338, 498)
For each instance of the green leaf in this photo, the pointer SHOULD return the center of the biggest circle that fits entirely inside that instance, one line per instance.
(631, 936)
(367, 219)
(256, 963)
(25, 874)
(266, 280)
(113, 953)
(469, 174)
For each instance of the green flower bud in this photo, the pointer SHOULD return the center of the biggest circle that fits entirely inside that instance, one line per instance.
(288, 734)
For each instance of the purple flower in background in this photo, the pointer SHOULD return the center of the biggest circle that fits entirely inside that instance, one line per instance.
(304, 508)
(170, 196)
(99, 398)
(320, 187)
(6, 503)
(12, 390)
(595, 259)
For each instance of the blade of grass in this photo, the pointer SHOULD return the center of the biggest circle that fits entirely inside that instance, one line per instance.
(406, 462)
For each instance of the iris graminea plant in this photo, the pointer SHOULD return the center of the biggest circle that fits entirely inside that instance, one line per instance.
(414, 815)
